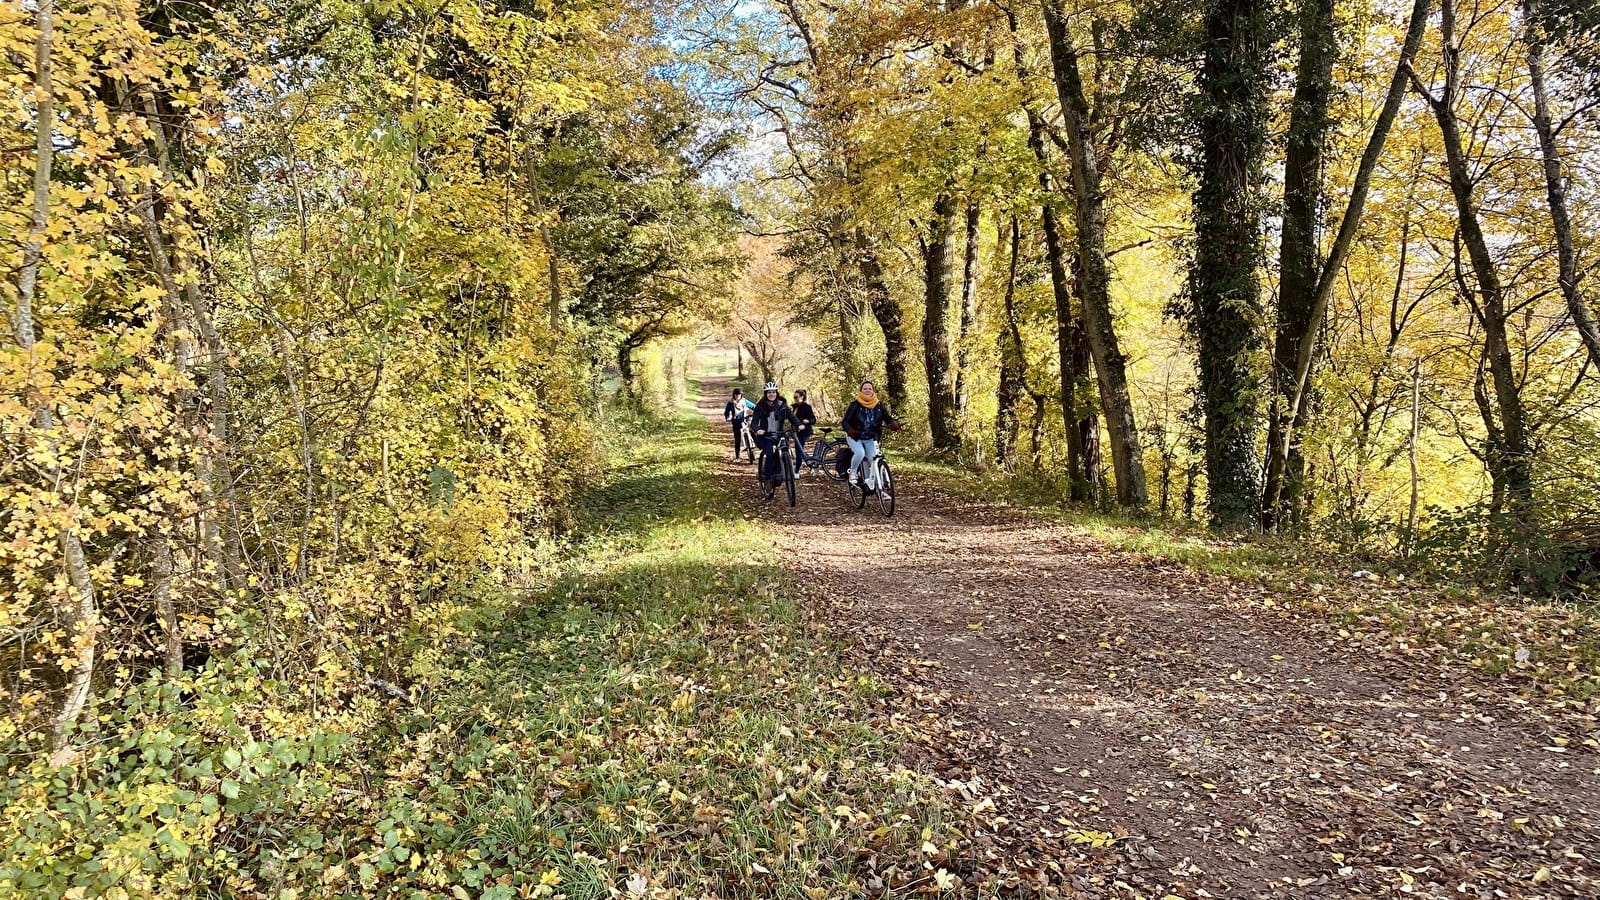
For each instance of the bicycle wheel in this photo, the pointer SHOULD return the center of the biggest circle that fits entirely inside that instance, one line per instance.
(830, 460)
(885, 490)
(788, 474)
(767, 488)
(855, 494)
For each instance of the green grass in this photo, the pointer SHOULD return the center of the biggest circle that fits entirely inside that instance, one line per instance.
(648, 714)
(1188, 543)
(654, 710)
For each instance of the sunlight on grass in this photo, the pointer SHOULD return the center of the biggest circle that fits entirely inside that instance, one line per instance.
(656, 717)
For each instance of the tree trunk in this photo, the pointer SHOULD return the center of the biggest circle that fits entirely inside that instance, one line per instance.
(1294, 401)
(555, 305)
(848, 314)
(181, 277)
(179, 328)
(1088, 422)
(1493, 455)
(1490, 305)
(626, 368)
(1082, 477)
(78, 611)
(1577, 305)
(939, 283)
(887, 312)
(1116, 401)
(1226, 319)
(1013, 363)
(1299, 256)
(1036, 430)
(969, 311)
(1408, 536)
(162, 568)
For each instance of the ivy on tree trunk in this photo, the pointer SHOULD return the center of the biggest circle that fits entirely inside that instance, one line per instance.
(1225, 317)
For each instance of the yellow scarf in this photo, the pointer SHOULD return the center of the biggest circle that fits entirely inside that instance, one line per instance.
(864, 400)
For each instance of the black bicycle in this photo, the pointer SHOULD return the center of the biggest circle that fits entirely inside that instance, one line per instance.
(824, 457)
(783, 448)
(856, 492)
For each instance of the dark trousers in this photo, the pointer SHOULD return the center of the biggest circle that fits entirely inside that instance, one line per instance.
(769, 457)
(802, 437)
(738, 434)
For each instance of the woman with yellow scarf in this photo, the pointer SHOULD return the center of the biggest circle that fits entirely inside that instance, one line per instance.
(863, 423)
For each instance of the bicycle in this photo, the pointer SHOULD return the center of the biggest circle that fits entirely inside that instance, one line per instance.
(856, 491)
(824, 457)
(748, 437)
(783, 447)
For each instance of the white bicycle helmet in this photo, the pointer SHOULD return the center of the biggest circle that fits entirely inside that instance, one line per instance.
(769, 386)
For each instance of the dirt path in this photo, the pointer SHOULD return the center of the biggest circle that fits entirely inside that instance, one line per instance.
(1230, 750)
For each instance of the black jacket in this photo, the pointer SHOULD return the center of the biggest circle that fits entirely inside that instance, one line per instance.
(805, 415)
(866, 424)
(771, 416)
(735, 410)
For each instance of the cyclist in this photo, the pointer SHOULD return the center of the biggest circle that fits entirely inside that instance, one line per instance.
(735, 411)
(863, 423)
(807, 417)
(771, 413)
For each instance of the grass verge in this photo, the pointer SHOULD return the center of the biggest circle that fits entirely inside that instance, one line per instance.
(656, 719)
(650, 716)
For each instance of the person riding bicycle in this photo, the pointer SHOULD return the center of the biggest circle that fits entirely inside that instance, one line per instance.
(807, 417)
(864, 422)
(770, 415)
(735, 411)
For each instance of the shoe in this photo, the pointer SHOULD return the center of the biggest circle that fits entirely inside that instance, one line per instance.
(853, 480)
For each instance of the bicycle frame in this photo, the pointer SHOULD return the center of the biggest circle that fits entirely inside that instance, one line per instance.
(817, 460)
(782, 455)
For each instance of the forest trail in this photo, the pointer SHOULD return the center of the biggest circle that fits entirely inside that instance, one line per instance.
(1232, 749)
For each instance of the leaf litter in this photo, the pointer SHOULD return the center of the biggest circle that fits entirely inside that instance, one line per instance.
(1123, 726)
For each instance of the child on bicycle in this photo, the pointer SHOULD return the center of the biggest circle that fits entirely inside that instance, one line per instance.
(864, 422)
(735, 411)
(771, 413)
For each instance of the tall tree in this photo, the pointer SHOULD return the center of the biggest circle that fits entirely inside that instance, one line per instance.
(1225, 318)
(887, 311)
(1089, 208)
(970, 275)
(1080, 425)
(1488, 301)
(1013, 362)
(941, 251)
(78, 609)
(1306, 283)
(1583, 318)
(1299, 250)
